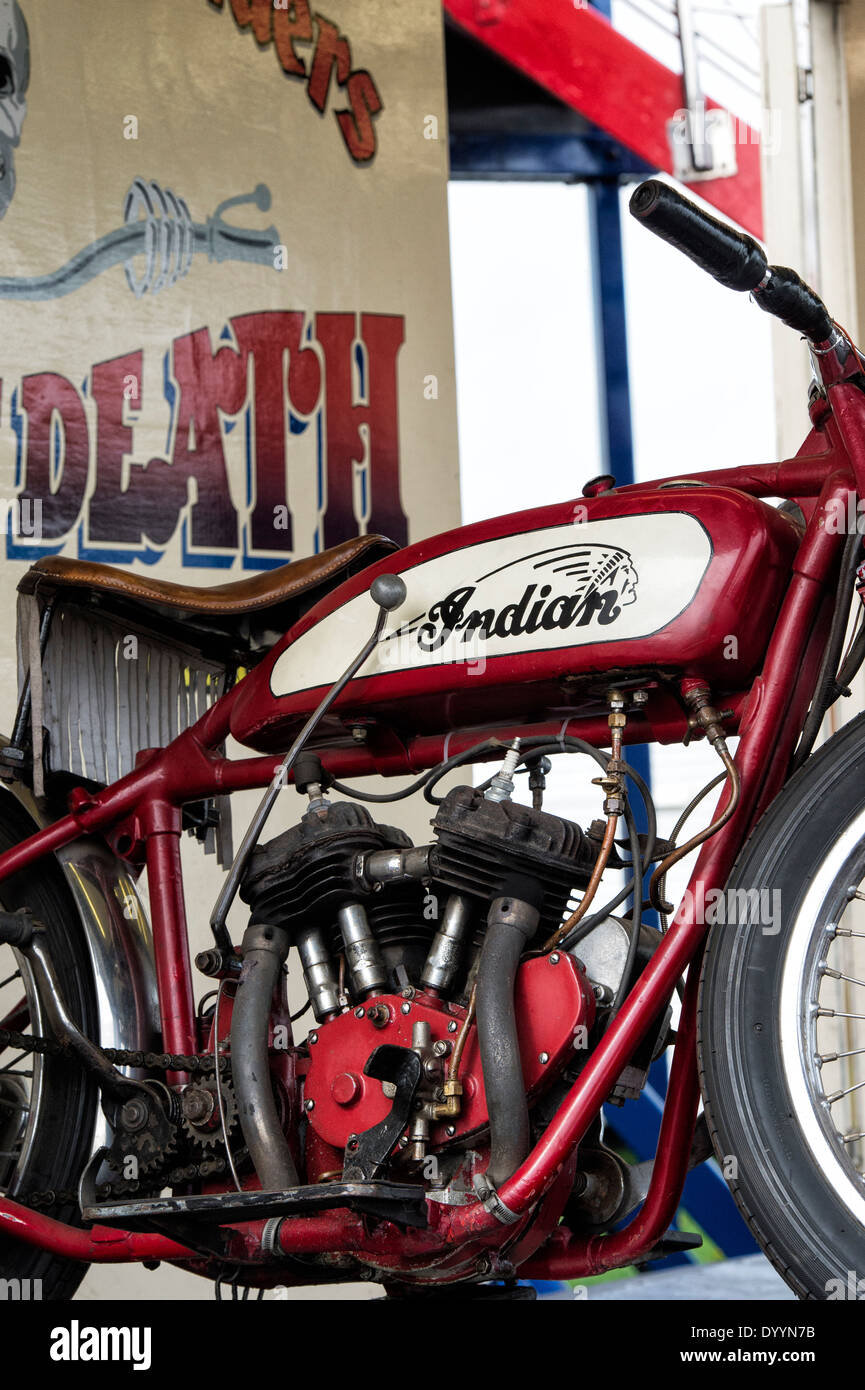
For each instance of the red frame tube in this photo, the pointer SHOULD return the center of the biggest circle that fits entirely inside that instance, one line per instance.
(161, 828)
(98, 1245)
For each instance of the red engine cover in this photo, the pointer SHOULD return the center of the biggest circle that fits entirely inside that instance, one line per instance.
(553, 1001)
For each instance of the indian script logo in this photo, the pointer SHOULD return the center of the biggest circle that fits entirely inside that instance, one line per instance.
(564, 587)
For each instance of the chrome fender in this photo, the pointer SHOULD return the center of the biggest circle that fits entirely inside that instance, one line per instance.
(118, 936)
(119, 942)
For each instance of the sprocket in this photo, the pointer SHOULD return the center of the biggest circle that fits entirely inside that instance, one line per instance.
(200, 1104)
(143, 1132)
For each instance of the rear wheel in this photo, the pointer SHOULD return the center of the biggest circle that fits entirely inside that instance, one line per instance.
(782, 1026)
(47, 1104)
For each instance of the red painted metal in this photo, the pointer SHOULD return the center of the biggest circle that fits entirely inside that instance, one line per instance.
(750, 549)
(553, 1003)
(98, 1245)
(576, 54)
(161, 831)
(756, 757)
(141, 811)
(572, 1257)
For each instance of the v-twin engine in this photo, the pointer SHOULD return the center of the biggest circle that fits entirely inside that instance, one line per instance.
(401, 916)
(437, 1011)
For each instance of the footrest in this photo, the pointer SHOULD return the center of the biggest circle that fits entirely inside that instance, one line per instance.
(674, 1243)
(400, 1202)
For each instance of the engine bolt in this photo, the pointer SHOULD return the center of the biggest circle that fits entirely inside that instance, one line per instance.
(452, 1026)
(403, 1143)
(406, 1008)
(441, 1048)
(543, 1058)
(408, 992)
(378, 1015)
(450, 1131)
(359, 1013)
(313, 1037)
(309, 1104)
(554, 958)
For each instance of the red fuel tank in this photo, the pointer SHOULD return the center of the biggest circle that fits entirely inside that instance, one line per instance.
(525, 615)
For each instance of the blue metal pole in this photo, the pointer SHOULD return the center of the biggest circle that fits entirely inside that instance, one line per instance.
(605, 229)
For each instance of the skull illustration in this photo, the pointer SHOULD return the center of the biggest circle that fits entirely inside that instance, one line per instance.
(14, 79)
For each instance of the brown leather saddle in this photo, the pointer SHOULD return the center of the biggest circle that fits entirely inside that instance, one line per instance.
(241, 619)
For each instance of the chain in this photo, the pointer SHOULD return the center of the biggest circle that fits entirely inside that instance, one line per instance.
(121, 1057)
(188, 1172)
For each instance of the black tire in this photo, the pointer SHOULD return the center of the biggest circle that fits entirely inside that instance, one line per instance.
(781, 1187)
(61, 1139)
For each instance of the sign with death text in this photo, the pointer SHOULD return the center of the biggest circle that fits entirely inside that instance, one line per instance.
(224, 282)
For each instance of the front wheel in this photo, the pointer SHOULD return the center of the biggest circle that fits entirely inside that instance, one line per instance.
(782, 1026)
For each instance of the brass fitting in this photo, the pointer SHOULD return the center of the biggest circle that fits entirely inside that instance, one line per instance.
(451, 1104)
(705, 716)
(614, 792)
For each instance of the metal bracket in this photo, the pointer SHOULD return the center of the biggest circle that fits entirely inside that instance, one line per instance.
(702, 140)
(21, 930)
(402, 1069)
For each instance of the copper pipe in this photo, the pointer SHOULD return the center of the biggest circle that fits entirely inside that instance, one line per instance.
(591, 888)
(459, 1045)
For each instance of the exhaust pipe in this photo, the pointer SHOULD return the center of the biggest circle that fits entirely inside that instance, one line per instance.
(264, 951)
(511, 924)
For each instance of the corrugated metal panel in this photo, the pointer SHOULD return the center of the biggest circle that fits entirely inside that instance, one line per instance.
(111, 691)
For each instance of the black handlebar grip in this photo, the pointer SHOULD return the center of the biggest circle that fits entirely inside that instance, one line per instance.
(792, 301)
(732, 257)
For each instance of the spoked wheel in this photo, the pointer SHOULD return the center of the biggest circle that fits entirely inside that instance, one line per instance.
(782, 1026)
(47, 1105)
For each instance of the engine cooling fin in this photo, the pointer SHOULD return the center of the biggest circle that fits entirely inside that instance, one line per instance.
(306, 874)
(481, 845)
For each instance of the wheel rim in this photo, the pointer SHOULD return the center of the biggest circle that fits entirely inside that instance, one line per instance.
(822, 1002)
(21, 1075)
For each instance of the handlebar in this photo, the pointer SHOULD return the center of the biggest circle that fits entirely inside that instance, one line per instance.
(735, 259)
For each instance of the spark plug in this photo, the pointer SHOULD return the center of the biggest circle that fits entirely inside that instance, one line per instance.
(502, 786)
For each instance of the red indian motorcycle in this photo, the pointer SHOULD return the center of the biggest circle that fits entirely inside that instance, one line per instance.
(441, 1122)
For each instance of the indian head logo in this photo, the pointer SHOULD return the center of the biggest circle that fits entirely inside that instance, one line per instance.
(567, 586)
